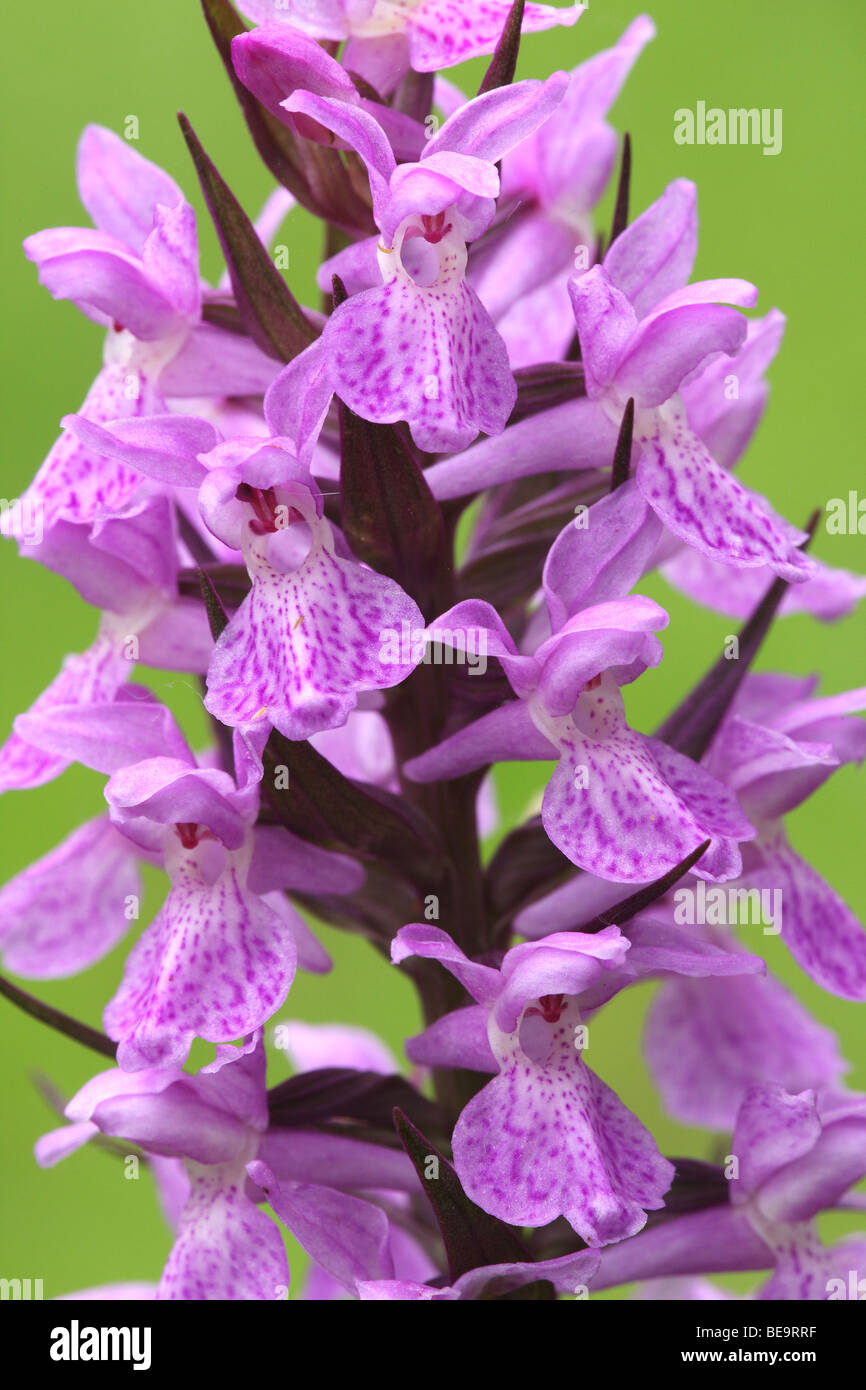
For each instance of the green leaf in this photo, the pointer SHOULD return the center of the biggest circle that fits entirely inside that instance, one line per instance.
(637, 902)
(472, 1238)
(272, 316)
(389, 515)
(63, 1023)
(216, 614)
(503, 64)
(314, 174)
(322, 805)
(692, 726)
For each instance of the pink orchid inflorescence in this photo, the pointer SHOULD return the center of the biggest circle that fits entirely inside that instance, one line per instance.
(267, 497)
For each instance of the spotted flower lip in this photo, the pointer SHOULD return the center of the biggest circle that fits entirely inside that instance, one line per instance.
(779, 745)
(421, 347)
(621, 805)
(546, 1137)
(220, 956)
(308, 638)
(518, 418)
(644, 332)
(307, 641)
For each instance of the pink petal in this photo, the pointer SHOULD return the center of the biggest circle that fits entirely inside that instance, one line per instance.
(360, 131)
(654, 256)
(215, 964)
(119, 188)
(170, 258)
(606, 324)
(604, 561)
(303, 645)
(297, 1155)
(458, 1039)
(707, 1041)
(215, 363)
(706, 507)
(668, 346)
(347, 1236)
(830, 594)
(170, 792)
(163, 447)
(431, 943)
(70, 908)
(30, 757)
(226, 1249)
(428, 354)
(111, 282)
(78, 482)
(774, 1129)
(819, 929)
(107, 736)
(60, 1143)
(311, 1045)
(576, 435)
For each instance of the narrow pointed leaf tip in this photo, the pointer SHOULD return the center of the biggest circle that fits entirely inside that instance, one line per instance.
(691, 728)
(637, 902)
(272, 316)
(622, 453)
(216, 615)
(61, 1022)
(620, 210)
(472, 1239)
(503, 64)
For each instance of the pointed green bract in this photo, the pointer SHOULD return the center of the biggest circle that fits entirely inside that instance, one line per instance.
(504, 61)
(272, 316)
(645, 897)
(692, 726)
(472, 1239)
(216, 614)
(313, 173)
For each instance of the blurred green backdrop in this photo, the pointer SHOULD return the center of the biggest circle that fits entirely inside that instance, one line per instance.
(792, 223)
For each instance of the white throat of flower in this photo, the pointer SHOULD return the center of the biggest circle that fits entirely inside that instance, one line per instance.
(443, 248)
(124, 352)
(385, 17)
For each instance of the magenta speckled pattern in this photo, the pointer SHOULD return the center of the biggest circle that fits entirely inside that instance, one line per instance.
(427, 354)
(214, 964)
(303, 645)
(548, 1138)
(360, 554)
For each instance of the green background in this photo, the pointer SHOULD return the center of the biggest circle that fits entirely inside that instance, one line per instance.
(793, 224)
